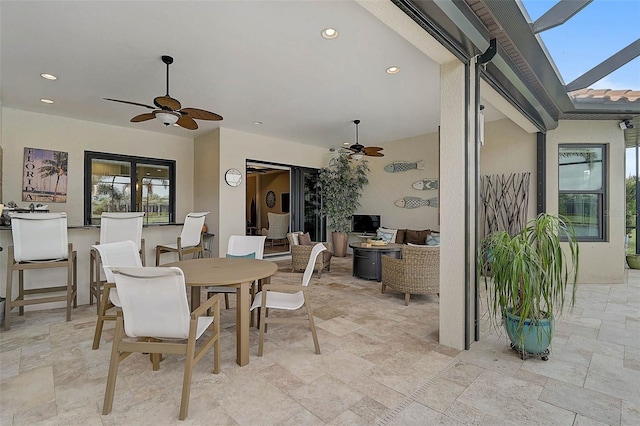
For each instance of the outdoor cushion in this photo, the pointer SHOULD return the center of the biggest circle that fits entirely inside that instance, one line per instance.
(305, 239)
(243, 256)
(416, 237)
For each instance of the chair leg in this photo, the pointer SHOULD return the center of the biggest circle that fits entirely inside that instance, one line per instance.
(406, 299)
(20, 291)
(102, 311)
(7, 306)
(312, 324)
(113, 366)
(263, 329)
(69, 285)
(75, 280)
(226, 301)
(384, 287)
(186, 382)
(157, 256)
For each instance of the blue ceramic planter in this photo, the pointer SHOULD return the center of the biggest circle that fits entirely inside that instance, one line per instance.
(536, 334)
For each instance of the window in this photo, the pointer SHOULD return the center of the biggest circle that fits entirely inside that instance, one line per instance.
(121, 183)
(581, 187)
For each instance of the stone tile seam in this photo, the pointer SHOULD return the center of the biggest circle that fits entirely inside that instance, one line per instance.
(393, 412)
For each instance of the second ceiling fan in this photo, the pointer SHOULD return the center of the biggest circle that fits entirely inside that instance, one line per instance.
(169, 110)
(358, 150)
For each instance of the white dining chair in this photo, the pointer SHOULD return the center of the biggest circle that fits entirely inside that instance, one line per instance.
(114, 227)
(241, 246)
(287, 297)
(122, 253)
(190, 239)
(39, 241)
(155, 319)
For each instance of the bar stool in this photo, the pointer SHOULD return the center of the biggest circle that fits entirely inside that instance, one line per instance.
(40, 241)
(114, 227)
(190, 239)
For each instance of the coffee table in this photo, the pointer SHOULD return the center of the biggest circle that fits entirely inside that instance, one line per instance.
(367, 263)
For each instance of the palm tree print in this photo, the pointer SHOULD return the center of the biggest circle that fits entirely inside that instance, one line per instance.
(55, 167)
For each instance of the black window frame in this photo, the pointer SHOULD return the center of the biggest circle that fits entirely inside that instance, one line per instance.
(603, 219)
(134, 161)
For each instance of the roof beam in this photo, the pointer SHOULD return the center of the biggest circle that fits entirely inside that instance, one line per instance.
(560, 13)
(606, 67)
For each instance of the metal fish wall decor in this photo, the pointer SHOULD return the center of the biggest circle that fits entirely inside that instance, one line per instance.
(415, 202)
(425, 184)
(403, 166)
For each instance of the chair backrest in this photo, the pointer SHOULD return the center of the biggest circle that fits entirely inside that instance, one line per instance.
(278, 225)
(116, 227)
(192, 229)
(245, 244)
(121, 253)
(39, 236)
(154, 301)
(308, 271)
(421, 260)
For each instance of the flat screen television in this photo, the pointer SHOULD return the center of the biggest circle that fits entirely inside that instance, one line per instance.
(365, 223)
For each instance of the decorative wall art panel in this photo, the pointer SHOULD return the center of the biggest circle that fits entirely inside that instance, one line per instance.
(44, 176)
(403, 166)
(425, 184)
(409, 202)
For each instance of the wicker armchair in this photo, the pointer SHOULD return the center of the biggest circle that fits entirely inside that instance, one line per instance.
(300, 255)
(418, 272)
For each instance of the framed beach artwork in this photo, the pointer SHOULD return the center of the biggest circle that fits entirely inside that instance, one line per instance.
(44, 177)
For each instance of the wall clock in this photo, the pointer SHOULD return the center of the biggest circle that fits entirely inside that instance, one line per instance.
(233, 177)
(271, 199)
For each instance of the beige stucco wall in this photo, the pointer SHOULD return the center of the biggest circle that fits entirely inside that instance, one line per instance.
(601, 263)
(385, 188)
(509, 149)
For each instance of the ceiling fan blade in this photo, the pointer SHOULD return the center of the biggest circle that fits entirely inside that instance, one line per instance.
(165, 102)
(129, 102)
(187, 122)
(200, 114)
(143, 117)
(374, 154)
(372, 150)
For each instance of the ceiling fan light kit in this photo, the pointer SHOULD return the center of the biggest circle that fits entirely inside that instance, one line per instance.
(169, 111)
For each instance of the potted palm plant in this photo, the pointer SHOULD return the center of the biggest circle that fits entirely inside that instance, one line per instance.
(527, 279)
(340, 185)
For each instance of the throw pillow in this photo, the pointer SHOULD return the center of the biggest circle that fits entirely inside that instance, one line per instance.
(385, 235)
(393, 233)
(433, 240)
(243, 256)
(416, 237)
(400, 236)
(305, 239)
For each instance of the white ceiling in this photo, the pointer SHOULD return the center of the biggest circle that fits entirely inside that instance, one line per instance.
(247, 61)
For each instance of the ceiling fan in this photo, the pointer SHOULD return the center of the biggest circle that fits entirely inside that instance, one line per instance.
(169, 111)
(359, 151)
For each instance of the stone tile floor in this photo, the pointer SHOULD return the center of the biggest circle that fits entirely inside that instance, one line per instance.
(381, 364)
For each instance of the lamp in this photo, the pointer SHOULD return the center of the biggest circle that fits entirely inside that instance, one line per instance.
(167, 117)
(357, 156)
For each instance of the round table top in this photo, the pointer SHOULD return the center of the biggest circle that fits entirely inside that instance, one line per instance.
(389, 247)
(224, 271)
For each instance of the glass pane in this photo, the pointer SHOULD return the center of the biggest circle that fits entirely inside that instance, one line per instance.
(111, 188)
(153, 192)
(580, 168)
(312, 218)
(582, 211)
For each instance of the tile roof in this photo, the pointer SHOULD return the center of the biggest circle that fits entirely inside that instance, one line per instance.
(606, 96)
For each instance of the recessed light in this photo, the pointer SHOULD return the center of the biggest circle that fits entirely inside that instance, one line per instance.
(257, 123)
(329, 33)
(393, 70)
(345, 143)
(48, 76)
(46, 101)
